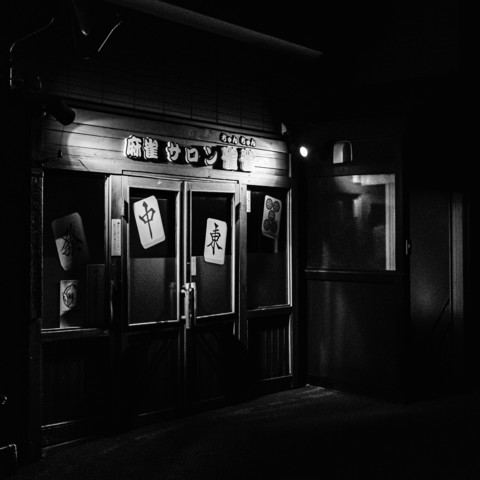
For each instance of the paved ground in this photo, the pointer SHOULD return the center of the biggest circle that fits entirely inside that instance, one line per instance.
(307, 433)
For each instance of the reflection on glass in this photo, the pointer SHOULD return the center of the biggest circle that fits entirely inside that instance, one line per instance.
(73, 251)
(351, 222)
(152, 279)
(267, 240)
(213, 280)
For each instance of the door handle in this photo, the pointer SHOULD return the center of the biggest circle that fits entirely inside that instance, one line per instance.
(189, 291)
(193, 305)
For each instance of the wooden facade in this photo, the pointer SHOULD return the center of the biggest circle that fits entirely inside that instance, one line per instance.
(140, 350)
(136, 373)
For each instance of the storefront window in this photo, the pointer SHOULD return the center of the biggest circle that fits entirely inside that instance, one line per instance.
(267, 247)
(180, 239)
(351, 222)
(213, 280)
(152, 270)
(74, 251)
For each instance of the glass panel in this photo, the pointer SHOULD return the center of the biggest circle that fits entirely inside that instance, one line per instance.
(214, 282)
(73, 251)
(267, 254)
(153, 273)
(351, 222)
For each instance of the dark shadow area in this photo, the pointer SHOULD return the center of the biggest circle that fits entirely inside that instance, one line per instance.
(236, 370)
(307, 433)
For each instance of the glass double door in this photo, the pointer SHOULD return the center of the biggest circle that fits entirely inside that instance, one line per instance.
(181, 250)
(180, 288)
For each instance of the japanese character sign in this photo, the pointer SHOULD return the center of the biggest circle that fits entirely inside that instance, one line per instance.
(215, 241)
(210, 155)
(149, 222)
(147, 149)
(229, 157)
(246, 159)
(150, 149)
(174, 152)
(72, 247)
(272, 213)
(133, 147)
(192, 154)
(71, 303)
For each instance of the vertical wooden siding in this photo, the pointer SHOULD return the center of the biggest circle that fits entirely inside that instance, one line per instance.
(270, 344)
(199, 79)
(75, 387)
(152, 381)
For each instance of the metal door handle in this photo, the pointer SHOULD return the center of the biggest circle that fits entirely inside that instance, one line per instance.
(190, 303)
(193, 299)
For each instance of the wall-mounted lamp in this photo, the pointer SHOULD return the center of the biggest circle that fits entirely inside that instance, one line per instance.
(294, 145)
(303, 151)
(58, 109)
(29, 87)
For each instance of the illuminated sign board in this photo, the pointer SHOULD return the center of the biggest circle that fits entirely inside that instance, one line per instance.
(237, 154)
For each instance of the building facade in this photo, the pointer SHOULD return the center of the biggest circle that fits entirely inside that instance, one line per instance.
(171, 251)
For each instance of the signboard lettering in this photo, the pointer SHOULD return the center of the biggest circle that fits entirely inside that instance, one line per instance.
(237, 154)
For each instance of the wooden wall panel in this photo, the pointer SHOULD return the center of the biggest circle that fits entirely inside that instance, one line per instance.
(353, 334)
(96, 142)
(134, 124)
(197, 79)
(152, 366)
(269, 346)
(218, 366)
(204, 366)
(75, 380)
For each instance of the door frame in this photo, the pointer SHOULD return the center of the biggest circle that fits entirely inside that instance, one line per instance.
(183, 326)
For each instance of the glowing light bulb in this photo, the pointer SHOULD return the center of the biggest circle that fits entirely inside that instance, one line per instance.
(303, 151)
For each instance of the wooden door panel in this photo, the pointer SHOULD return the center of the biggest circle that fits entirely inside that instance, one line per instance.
(153, 372)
